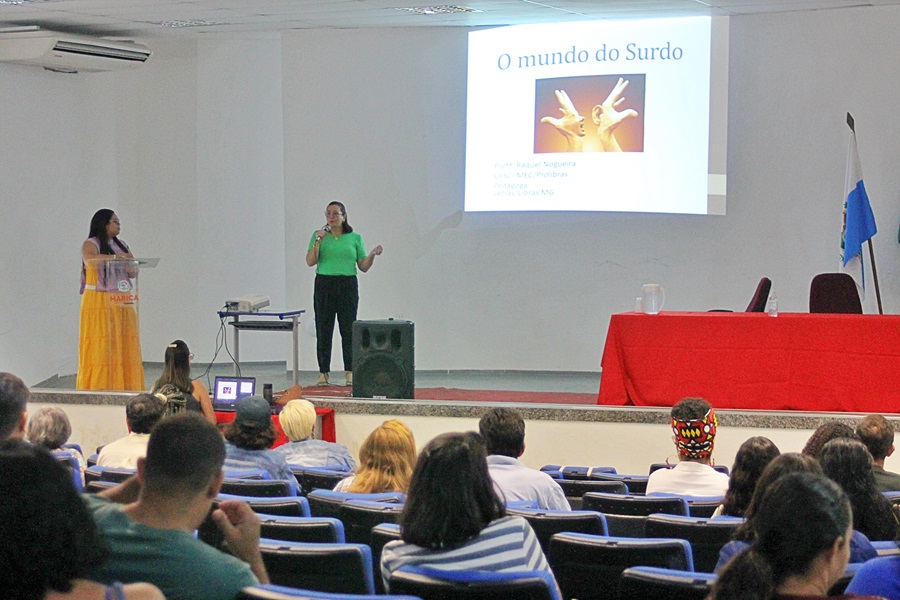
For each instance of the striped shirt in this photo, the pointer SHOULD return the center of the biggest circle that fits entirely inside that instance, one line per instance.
(507, 544)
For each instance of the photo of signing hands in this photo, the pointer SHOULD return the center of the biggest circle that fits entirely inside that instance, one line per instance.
(589, 114)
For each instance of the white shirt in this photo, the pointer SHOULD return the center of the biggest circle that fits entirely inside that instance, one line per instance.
(124, 452)
(688, 479)
(514, 481)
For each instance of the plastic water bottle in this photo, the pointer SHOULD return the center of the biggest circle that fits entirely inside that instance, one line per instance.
(772, 305)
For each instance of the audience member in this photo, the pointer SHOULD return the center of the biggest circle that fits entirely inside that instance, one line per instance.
(141, 414)
(861, 548)
(298, 419)
(877, 433)
(694, 424)
(848, 463)
(752, 458)
(503, 430)
(49, 427)
(177, 374)
(249, 438)
(149, 521)
(386, 460)
(792, 556)
(823, 434)
(48, 542)
(13, 406)
(453, 518)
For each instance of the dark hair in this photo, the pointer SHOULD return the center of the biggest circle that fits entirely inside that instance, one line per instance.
(184, 453)
(99, 222)
(143, 412)
(752, 458)
(451, 496)
(346, 225)
(50, 537)
(504, 431)
(781, 465)
(849, 464)
(13, 401)
(824, 434)
(690, 409)
(877, 434)
(177, 368)
(786, 543)
(250, 436)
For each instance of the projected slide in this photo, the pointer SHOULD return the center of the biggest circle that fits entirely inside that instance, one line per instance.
(611, 116)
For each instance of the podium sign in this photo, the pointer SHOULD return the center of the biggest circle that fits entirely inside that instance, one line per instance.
(109, 349)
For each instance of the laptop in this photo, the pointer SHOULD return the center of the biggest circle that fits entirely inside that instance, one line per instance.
(228, 390)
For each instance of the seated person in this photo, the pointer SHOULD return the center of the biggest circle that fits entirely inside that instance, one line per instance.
(823, 434)
(386, 460)
(176, 377)
(694, 424)
(861, 548)
(13, 407)
(48, 542)
(503, 430)
(298, 419)
(142, 413)
(792, 556)
(751, 459)
(248, 439)
(877, 434)
(49, 427)
(149, 520)
(453, 518)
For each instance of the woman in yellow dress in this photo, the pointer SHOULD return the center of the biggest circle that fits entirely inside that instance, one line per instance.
(109, 349)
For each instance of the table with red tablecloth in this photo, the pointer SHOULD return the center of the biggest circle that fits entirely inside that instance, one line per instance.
(794, 361)
(325, 414)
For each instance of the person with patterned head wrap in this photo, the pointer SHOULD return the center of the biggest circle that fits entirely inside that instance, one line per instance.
(694, 426)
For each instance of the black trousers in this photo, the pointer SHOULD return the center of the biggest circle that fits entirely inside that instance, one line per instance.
(335, 295)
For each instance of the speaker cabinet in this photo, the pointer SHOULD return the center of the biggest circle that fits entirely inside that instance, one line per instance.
(383, 359)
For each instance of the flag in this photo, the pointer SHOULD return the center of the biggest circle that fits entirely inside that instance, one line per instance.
(859, 222)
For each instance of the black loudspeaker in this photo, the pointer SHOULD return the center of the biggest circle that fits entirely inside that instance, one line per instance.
(383, 359)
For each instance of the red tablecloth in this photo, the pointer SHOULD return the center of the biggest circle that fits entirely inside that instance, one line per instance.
(795, 361)
(327, 415)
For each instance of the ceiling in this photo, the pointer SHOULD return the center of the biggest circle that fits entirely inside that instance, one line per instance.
(201, 18)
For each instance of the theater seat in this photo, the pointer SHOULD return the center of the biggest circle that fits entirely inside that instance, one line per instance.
(327, 503)
(256, 487)
(280, 592)
(438, 584)
(546, 523)
(336, 568)
(707, 536)
(654, 583)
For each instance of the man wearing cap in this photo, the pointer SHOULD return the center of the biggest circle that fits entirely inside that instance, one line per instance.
(694, 425)
(248, 439)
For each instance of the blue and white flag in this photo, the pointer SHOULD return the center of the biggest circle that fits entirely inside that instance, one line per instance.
(859, 222)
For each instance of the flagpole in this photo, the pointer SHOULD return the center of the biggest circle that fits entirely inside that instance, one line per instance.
(875, 276)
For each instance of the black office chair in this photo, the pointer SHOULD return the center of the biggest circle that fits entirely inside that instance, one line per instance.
(302, 529)
(256, 487)
(336, 568)
(626, 516)
(546, 523)
(360, 516)
(654, 583)
(438, 584)
(588, 567)
(574, 489)
(280, 592)
(706, 536)
(834, 293)
(327, 503)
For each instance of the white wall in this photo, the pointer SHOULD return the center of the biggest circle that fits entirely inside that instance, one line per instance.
(192, 149)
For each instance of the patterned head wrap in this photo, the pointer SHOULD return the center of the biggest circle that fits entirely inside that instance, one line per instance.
(694, 438)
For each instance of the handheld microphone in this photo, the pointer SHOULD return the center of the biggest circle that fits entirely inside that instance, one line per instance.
(327, 228)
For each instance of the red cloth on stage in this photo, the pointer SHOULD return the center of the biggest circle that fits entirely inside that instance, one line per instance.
(795, 361)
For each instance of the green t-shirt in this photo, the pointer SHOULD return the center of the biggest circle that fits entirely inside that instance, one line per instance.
(338, 255)
(176, 562)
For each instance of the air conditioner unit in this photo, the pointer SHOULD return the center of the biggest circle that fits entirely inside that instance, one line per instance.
(68, 53)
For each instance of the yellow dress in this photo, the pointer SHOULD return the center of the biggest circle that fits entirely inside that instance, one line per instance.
(109, 348)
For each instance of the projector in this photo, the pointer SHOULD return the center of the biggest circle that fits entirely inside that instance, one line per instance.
(248, 303)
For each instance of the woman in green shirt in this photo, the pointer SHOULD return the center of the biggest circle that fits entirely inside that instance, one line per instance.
(336, 251)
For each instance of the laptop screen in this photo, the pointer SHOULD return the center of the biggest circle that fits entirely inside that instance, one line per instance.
(228, 390)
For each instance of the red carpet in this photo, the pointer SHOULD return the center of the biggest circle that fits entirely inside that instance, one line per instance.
(457, 394)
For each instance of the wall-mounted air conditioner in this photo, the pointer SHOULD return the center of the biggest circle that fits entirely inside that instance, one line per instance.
(68, 53)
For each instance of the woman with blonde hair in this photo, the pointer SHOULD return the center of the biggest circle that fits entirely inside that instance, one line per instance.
(386, 461)
(176, 377)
